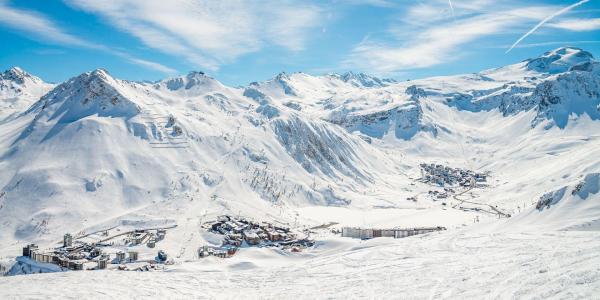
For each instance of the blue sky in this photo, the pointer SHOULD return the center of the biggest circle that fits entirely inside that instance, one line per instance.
(242, 41)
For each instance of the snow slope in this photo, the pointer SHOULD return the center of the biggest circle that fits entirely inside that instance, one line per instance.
(455, 265)
(96, 152)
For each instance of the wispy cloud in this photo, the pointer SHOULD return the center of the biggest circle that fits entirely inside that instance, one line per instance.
(451, 9)
(210, 33)
(142, 62)
(39, 27)
(380, 3)
(545, 20)
(425, 43)
(434, 32)
(577, 24)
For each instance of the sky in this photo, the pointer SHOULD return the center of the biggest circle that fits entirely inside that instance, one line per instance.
(240, 41)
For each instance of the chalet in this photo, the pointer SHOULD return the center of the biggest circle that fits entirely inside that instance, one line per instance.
(133, 256)
(233, 239)
(251, 237)
(273, 235)
(263, 236)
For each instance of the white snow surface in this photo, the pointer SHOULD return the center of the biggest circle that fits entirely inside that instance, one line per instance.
(455, 265)
(96, 152)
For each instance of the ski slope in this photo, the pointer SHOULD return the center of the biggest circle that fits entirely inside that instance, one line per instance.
(460, 264)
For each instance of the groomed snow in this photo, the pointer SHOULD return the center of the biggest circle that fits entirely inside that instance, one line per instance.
(450, 265)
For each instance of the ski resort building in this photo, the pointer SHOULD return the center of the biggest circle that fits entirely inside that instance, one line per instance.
(121, 256)
(133, 256)
(102, 263)
(358, 233)
(367, 233)
(139, 237)
(236, 230)
(27, 250)
(67, 240)
(87, 252)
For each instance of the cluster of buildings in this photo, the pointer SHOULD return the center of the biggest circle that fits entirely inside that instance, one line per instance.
(222, 252)
(69, 256)
(79, 255)
(369, 233)
(442, 175)
(139, 237)
(241, 232)
(447, 192)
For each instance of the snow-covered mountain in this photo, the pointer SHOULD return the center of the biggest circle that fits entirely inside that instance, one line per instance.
(556, 84)
(18, 90)
(96, 147)
(96, 151)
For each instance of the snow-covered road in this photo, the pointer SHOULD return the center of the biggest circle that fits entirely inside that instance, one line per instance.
(457, 265)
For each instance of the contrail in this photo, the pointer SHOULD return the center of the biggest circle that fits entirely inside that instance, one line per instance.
(452, 9)
(548, 18)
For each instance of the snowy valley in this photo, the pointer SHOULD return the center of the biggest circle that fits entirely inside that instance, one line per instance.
(506, 161)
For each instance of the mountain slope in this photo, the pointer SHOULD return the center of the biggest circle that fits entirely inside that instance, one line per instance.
(96, 151)
(97, 148)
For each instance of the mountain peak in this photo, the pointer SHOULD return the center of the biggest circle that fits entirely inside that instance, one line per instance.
(97, 74)
(91, 93)
(560, 60)
(362, 79)
(17, 75)
(16, 70)
(189, 81)
(568, 50)
(282, 76)
(100, 72)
